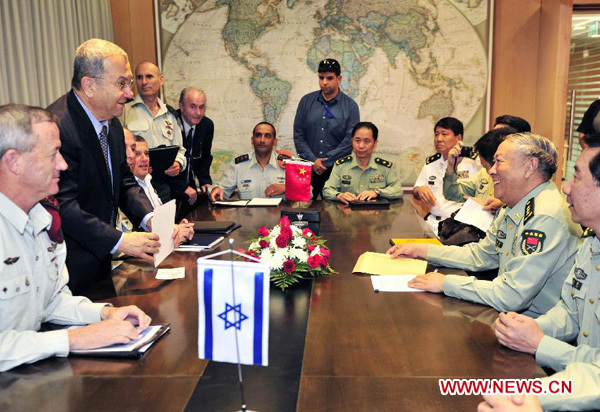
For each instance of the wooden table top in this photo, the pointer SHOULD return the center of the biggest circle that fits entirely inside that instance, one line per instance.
(335, 344)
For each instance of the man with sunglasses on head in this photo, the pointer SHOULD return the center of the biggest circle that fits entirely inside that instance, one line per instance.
(98, 179)
(323, 124)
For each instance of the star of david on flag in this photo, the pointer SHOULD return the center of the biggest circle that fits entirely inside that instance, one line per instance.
(219, 317)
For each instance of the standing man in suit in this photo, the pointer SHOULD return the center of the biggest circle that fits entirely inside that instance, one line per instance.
(323, 124)
(198, 131)
(98, 180)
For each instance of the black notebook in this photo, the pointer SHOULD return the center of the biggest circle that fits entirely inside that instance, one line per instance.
(379, 203)
(201, 241)
(223, 227)
(161, 158)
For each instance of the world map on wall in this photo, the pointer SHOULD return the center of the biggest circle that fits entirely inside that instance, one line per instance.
(406, 63)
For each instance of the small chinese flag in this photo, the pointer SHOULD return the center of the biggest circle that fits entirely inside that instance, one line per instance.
(297, 180)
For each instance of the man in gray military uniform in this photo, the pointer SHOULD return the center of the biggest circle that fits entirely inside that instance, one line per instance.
(360, 176)
(33, 275)
(532, 241)
(577, 315)
(256, 174)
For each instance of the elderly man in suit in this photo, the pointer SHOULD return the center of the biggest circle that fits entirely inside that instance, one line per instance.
(198, 131)
(98, 180)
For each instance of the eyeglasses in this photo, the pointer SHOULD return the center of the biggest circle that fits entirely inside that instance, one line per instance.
(120, 85)
(329, 65)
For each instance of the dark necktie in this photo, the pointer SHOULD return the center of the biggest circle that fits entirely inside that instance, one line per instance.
(190, 143)
(104, 145)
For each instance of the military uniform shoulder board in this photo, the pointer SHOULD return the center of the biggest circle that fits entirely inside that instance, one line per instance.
(474, 155)
(242, 158)
(588, 232)
(343, 160)
(383, 162)
(172, 110)
(529, 210)
(433, 158)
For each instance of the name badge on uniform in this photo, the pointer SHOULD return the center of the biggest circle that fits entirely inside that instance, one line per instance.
(431, 180)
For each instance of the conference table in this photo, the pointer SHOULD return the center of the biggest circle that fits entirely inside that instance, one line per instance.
(334, 343)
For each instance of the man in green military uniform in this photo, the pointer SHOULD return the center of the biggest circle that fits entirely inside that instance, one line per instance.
(532, 241)
(576, 317)
(361, 176)
(478, 186)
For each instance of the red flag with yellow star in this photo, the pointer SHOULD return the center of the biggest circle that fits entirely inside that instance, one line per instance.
(297, 180)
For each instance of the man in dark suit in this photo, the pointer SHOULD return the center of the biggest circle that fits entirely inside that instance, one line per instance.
(98, 180)
(198, 131)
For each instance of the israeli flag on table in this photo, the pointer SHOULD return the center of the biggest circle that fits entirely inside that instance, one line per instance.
(219, 317)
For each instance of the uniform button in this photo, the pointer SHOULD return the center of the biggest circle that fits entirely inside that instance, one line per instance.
(26, 281)
(18, 289)
(586, 334)
(518, 216)
(572, 293)
(592, 301)
(598, 267)
(37, 258)
(506, 253)
(510, 226)
(37, 289)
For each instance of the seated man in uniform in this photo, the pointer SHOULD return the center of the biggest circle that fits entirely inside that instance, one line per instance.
(33, 275)
(256, 174)
(576, 316)
(361, 176)
(479, 186)
(429, 185)
(532, 241)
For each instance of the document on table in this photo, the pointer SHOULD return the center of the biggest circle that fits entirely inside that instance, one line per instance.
(394, 283)
(264, 202)
(170, 274)
(132, 349)
(382, 264)
(472, 213)
(232, 203)
(401, 241)
(162, 224)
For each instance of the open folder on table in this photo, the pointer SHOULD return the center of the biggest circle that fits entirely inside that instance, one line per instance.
(133, 349)
(382, 264)
(399, 241)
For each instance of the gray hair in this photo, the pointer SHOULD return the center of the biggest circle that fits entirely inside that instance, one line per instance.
(185, 91)
(89, 59)
(16, 131)
(535, 145)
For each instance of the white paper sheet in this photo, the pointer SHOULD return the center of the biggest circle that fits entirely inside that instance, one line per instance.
(393, 283)
(235, 203)
(172, 273)
(163, 224)
(264, 201)
(472, 213)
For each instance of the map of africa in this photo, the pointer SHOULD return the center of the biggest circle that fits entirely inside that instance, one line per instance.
(407, 64)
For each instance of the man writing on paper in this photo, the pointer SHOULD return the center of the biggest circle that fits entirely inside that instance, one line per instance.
(33, 276)
(140, 167)
(576, 317)
(98, 179)
(478, 186)
(360, 176)
(256, 174)
(532, 241)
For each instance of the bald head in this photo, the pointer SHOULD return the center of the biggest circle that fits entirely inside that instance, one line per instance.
(148, 80)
